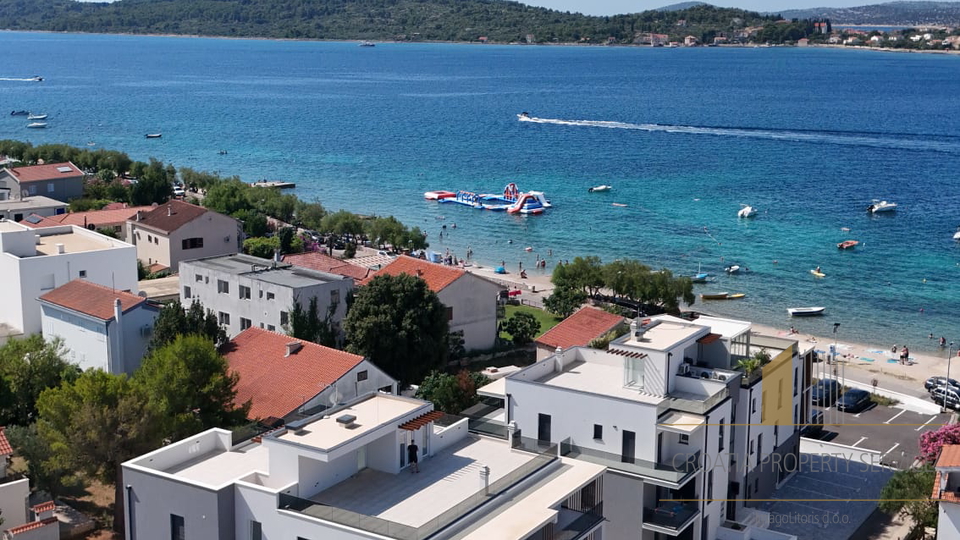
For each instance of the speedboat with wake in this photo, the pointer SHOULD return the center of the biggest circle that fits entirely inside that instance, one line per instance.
(881, 206)
(746, 211)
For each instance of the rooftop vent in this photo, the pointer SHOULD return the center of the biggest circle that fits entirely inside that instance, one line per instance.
(169, 211)
(348, 421)
(293, 347)
(60, 249)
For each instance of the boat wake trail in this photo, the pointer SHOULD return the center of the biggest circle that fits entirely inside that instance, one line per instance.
(16, 79)
(899, 141)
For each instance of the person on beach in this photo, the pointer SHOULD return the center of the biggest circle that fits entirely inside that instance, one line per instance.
(894, 349)
(943, 342)
(904, 355)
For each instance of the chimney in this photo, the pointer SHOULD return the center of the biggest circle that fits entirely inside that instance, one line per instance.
(37, 238)
(559, 353)
(138, 215)
(419, 272)
(292, 348)
(60, 249)
(276, 257)
(84, 222)
(169, 210)
(117, 314)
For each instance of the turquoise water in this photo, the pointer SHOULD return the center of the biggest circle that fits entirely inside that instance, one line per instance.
(808, 136)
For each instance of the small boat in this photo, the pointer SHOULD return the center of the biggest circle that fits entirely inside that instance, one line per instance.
(848, 244)
(735, 296)
(881, 206)
(956, 235)
(37, 117)
(154, 135)
(222, 152)
(714, 296)
(523, 116)
(746, 211)
(700, 277)
(817, 272)
(37, 125)
(367, 44)
(621, 205)
(36, 78)
(805, 311)
(596, 189)
(732, 269)
(19, 113)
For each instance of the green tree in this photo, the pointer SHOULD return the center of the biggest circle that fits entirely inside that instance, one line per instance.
(261, 247)
(189, 384)
(522, 327)
(584, 273)
(908, 494)
(96, 423)
(451, 393)
(400, 325)
(564, 301)
(29, 366)
(173, 322)
(154, 185)
(306, 323)
(228, 197)
(342, 223)
(310, 214)
(45, 473)
(254, 223)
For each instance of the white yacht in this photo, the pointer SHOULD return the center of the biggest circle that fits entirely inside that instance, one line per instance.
(881, 206)
(746, 211)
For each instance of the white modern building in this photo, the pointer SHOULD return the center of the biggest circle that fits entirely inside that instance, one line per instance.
(946, 491)
(20, 209)
(246, 291)
(101, 327)
(471, 300)
(687, 436)
(344, 474)
(33, 262)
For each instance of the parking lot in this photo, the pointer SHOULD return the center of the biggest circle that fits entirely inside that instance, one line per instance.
(891, 431)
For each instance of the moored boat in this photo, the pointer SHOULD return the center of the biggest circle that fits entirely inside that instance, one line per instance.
(700, 277)
(714, 296)
(881, 206)
(154, 135)
(805, 311)
(37, 125)
(848, 244)
(36, 117)
(746, 211)
(733, 269)
(19, 113)
(367, 44)
(602, 188)
(956, 235)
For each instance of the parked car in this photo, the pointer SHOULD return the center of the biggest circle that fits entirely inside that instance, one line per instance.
(948, 398)
(938, 382)
(853, 401)
(825, 392)
(815, 427)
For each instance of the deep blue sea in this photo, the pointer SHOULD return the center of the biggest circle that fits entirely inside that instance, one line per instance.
(808, 136)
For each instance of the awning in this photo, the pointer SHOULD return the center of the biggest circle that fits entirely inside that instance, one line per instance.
(496, 389)
(709, 338)
(681, 422)
(421, 421)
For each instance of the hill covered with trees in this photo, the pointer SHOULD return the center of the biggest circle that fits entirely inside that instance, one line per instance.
(441, 20)
(891, 13)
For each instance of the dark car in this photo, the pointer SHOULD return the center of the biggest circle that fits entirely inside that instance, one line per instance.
(825, 392)
(948, 398)
(853, 401)
(938, 382)
(815, 427)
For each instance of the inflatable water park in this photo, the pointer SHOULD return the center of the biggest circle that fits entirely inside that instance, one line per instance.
(512, 201)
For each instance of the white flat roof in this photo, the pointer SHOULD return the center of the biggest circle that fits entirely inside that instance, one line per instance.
(665, 335)
(445, 480)
(497, 389)
(73, 242)
(35, 201)
(596, 379)
(326, 433)
(728, 328)
(219, 467)
(682, 422)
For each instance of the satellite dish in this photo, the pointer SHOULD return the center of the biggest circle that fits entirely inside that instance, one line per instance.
(142, 294)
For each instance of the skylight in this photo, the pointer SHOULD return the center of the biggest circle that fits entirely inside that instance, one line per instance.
(65, 169)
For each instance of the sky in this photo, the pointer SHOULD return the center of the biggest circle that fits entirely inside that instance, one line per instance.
(615, 7)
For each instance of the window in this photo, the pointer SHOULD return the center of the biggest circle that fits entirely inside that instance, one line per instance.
(51, 188)
(449, 313)
(284, 317)
(796, 374)
(751, 448)
(271, 328)
(759, 447)
(198, 278)
(753, 405)
(598, 432)
(224, 318)
(720, 445)
(244, 292)
(763, 410)
(710, 485)
(361, 376)
(334, 298)
(261, 325)
(187, 293)
(18, 217)
(684, 438)
(138, 235)
(156, 240)
(270, 296)
(83, 273)
(33, 190)
(223, 287)
(256, 530)
(245, 323)
(192, 243)
(756, 485)
(149, 238)
(177, 531)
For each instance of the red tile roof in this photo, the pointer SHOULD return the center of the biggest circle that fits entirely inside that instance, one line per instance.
(97, 218)
(949, 456)
(171, 215)
(580, 328)
(91, 299)
(43, 507)
(5, 448)
(277, 384)
(437, 276)
(39, 173)
(315, 260)
(31, 526)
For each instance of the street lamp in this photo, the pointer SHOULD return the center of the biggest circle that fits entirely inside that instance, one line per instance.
(843, 376)
(943, 404)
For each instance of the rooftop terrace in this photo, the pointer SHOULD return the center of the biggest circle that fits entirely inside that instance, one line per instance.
(597, 379)
(72, 243)
(665, 335)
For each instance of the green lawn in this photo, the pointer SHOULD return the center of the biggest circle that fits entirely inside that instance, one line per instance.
(547, 320)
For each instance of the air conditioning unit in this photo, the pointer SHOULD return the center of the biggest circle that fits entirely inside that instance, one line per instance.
(684, 369)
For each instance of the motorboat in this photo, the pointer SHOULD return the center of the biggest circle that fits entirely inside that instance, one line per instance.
(37, 117)
(604, 187)
(746, 211)
(735, 296)
(714, 296)
(36, 78)
(37, 125)
(805, 311)
(19, 113)
(956, 235)
(523, 116)
(367, 44)
(881, 206)
(154, 135)
(734, 269)
(848, 244)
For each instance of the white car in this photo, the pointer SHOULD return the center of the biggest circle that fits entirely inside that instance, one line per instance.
(179, 192)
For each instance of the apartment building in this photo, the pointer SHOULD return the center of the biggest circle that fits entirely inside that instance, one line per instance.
(946, 491)
(246, 291)
(178, 231)
(688, 437)
(344, 474)
(35, 261)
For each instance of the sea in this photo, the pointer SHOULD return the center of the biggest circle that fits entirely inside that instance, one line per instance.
(808, 136)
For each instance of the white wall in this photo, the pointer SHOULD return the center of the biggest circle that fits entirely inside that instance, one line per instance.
(948, 521)
(136, 329)
(474, 303)
(316, 476)
(152, 500)
(13, 502)
(454, 433)
(383, 454)
(84, 337)
(622, 506)
(167, 249)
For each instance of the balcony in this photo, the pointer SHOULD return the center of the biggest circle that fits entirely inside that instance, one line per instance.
(686, 466)
(670, 517)
(573, 525)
